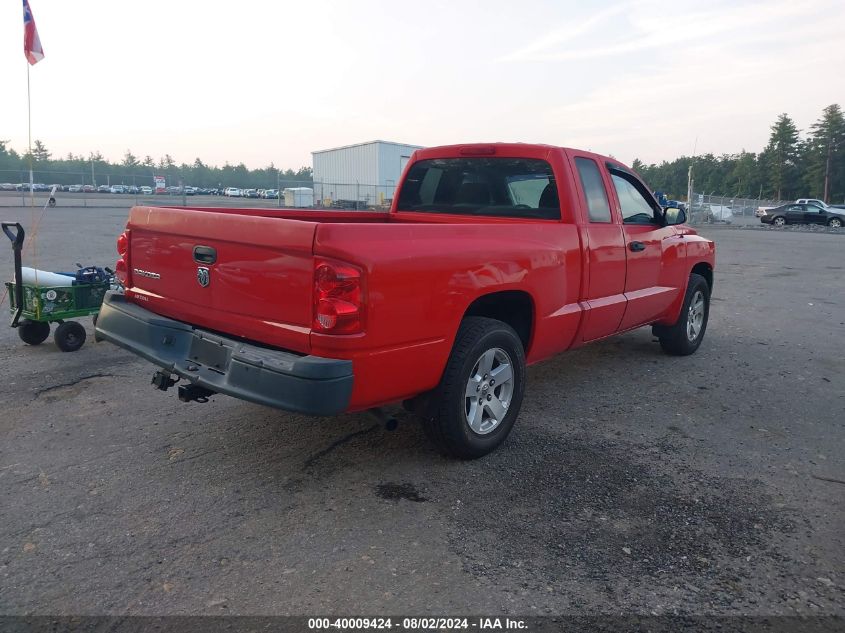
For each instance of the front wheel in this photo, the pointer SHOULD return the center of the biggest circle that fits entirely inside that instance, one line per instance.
(835, 223)
(684, 337)
(478, 400)
(69, 336)
(779, 221)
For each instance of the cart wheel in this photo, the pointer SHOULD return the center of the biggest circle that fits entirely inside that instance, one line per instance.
(69, 336)
(33, 332)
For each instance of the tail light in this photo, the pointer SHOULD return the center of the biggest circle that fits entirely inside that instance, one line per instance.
(338, 298)
(121, 268)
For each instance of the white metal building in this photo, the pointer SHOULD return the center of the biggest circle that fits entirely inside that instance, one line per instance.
(366, 172)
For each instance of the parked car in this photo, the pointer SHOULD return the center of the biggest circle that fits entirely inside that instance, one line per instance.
(7, 186)
(480, 268)
(117, 189)
(270, 194)
(190, 191)
(147, 191)
(814, 201)
(820, 203)
(794, 213)
(250, 193)
(103, 189)
(232, 192)
(89, 188)
(75, 189)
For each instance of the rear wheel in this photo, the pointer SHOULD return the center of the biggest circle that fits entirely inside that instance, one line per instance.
(779, 221)
(478, 400)
(69, 336)
(33, 332)
(835, 223)
(684, 337)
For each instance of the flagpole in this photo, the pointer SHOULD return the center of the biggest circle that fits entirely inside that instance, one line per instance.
(29, 136)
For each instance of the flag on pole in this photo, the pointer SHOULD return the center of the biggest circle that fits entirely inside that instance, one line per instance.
(31, 42)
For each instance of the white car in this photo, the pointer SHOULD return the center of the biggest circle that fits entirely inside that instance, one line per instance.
(147, 191)
(117, 189)
(232, 192)
(813, 201)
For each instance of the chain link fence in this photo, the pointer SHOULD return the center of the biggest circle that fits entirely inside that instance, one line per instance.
(93, 188)
(717, 209)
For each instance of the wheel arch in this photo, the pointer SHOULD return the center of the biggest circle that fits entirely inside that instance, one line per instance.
(514, 307)
(705, 270)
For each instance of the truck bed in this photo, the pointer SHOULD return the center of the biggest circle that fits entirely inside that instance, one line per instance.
(424, 266)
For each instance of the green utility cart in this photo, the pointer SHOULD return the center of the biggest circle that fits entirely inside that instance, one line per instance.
(34, 307)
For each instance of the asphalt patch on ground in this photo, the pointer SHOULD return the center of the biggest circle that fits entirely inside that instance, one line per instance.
(591, 510)
(398, 492)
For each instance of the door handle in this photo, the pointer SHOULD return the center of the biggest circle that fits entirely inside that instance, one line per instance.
(636, 246)
(205, 254)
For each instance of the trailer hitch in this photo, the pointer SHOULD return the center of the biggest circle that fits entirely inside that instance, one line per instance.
(194, 393)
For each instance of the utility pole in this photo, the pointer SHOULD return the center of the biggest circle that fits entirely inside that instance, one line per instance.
(689, 189)
(827, 171)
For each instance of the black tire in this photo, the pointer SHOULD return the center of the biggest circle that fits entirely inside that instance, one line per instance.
(834, 223)
(33, 332)
(675, 339)
(69, 336)
(775, 221)
(446, 423)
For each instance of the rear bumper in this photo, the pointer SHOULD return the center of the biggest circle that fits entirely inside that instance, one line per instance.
(275, 378)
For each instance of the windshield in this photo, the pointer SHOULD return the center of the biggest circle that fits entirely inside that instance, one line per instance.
(506, 187)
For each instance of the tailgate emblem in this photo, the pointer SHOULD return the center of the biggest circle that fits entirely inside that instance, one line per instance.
(203, 276)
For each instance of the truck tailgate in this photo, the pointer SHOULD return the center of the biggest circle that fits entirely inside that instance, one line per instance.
(244, 275)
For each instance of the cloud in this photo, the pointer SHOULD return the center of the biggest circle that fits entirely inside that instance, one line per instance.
(566, 33)
(660, 24)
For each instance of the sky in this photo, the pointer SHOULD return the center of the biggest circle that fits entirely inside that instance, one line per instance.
(271, 81)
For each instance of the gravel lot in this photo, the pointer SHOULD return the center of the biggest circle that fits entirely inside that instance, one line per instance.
(633, 482)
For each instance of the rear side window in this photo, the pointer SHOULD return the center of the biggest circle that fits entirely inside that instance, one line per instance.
(594, 191)
(506, 187)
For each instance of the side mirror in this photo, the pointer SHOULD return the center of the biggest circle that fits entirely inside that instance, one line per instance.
(673, 216)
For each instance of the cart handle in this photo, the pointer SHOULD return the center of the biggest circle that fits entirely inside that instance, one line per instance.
(17, 246)
(17, 236)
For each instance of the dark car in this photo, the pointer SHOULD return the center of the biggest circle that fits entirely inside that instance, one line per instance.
(803, 214)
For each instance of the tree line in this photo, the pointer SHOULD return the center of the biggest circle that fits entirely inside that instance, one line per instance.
(789, 167)
(95, 169)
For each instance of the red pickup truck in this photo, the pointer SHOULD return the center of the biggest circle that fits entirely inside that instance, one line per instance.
(491, 257)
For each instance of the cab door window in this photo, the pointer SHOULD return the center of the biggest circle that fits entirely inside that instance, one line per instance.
(634, 205)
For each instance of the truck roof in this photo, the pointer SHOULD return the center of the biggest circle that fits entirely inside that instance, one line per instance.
(501, 149)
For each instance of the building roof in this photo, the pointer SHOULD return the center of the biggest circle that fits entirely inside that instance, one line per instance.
(332, 149)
